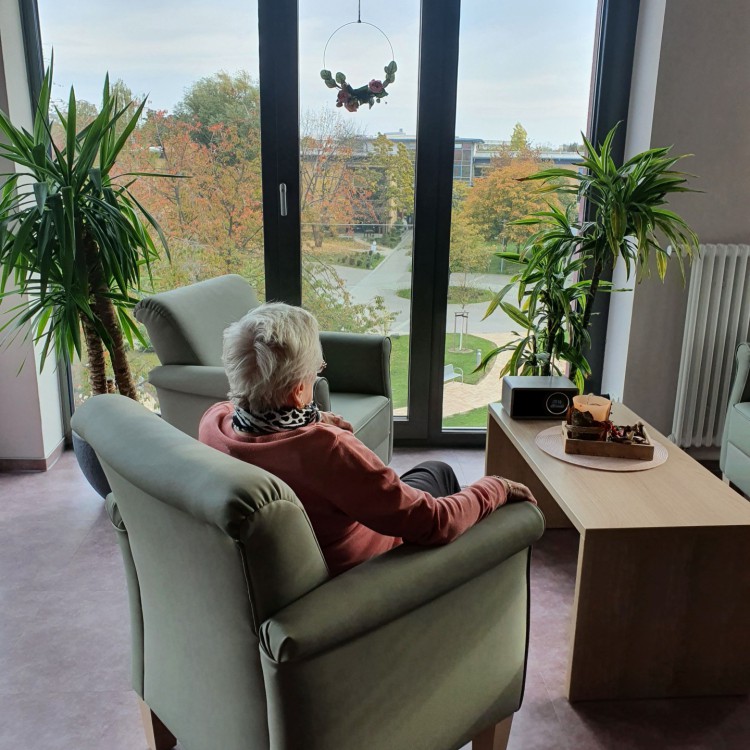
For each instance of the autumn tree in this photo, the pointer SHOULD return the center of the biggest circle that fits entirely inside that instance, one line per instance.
(499, 196)
(224, 100)
(213, 217)
(332, 191)
(468, 255)
(391, 174)
(519, 139)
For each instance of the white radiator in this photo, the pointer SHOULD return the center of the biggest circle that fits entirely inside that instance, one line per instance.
(717, 320)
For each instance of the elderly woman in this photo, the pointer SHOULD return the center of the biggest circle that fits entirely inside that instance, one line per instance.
(358, 507)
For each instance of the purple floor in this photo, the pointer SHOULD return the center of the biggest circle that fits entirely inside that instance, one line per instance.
(64, 642)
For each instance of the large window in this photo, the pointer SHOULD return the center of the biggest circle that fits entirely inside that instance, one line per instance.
(199, 75)
(357, 175)
(524, 82)
(386, 220)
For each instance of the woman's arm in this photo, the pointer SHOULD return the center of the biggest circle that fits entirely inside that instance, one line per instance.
(372, 493)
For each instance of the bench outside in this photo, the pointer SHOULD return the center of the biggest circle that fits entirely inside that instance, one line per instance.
(452, 373)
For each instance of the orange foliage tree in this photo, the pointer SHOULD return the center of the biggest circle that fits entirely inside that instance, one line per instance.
(334, 193)
(213, 218)
(499, 197)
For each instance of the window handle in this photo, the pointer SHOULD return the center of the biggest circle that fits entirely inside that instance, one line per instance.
(282, 199)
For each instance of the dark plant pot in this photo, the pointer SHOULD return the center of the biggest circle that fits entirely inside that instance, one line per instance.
(90, 465)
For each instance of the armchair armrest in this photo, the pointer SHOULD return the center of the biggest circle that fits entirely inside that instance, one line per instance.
(741, 384)
(198, 380)
(385, 588)
(357, 363)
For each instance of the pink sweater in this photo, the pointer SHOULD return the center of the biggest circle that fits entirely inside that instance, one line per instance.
(358, 507)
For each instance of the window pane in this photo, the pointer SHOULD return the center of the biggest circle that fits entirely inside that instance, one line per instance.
(199, 75)
(357, 176)
(523, 98)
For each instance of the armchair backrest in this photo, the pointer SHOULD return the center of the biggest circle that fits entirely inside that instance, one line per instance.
(185, 325)
(213, 547)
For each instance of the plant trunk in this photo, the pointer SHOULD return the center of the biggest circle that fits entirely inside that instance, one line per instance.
(551, 333)
(96, 362)
(550, 343)
(590, 297)
(120, 366)
(104, 310)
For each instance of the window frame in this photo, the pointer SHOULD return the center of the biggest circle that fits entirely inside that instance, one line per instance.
(434, 166)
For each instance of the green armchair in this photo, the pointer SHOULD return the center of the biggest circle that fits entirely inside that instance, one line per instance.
(185, 326)
(242, 641)
(735, 445)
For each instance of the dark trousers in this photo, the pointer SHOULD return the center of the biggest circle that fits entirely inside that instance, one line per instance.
(434, 477)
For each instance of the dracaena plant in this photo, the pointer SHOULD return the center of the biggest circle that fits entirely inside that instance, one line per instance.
(550, 306)
(74, 239)
(626, 219)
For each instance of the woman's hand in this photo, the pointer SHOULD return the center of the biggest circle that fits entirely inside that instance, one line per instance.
(515, 492)
(328, 417)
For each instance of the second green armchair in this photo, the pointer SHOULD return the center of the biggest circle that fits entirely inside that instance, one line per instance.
(185, 326)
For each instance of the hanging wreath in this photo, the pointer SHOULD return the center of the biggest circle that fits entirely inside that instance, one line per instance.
(350, 98)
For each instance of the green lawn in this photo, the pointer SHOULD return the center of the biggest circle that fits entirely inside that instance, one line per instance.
(466, 361)
(456, 295)
(474, 418)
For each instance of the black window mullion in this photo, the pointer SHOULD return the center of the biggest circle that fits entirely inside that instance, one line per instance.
(436, 123)
(613, 70)
(279, 128)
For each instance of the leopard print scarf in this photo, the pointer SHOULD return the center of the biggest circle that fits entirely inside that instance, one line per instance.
(276, 420)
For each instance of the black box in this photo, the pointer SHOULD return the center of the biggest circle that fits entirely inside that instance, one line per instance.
(537, 396)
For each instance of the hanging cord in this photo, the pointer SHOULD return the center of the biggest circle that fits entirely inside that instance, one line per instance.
(359, 11)
(351, 23)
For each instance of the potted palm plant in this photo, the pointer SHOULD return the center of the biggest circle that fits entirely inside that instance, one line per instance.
(550, 305)
(627, 219)
(74, 239)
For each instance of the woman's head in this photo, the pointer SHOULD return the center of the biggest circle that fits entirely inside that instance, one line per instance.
(272, 356)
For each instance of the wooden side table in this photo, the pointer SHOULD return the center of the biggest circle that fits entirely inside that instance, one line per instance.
(662, 599)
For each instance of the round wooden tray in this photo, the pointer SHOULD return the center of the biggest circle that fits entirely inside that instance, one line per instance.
(550, 441)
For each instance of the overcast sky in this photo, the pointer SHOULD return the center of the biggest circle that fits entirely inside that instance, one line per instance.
(526, 60)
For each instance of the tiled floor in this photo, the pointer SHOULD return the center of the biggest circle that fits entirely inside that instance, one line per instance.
(64, 661)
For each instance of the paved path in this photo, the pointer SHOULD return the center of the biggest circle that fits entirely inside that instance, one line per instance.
(394, 273)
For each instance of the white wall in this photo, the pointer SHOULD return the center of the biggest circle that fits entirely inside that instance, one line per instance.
(30, 416)
(700, 106)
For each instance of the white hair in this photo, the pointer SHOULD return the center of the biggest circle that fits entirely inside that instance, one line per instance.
(269, 352)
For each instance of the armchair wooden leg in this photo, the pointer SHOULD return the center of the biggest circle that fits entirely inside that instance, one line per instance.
(494, 738)
(158, 736)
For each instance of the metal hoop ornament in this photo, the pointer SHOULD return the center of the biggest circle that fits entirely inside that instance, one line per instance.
(372, 92)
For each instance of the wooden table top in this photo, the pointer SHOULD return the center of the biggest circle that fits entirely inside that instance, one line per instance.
(680, 492)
